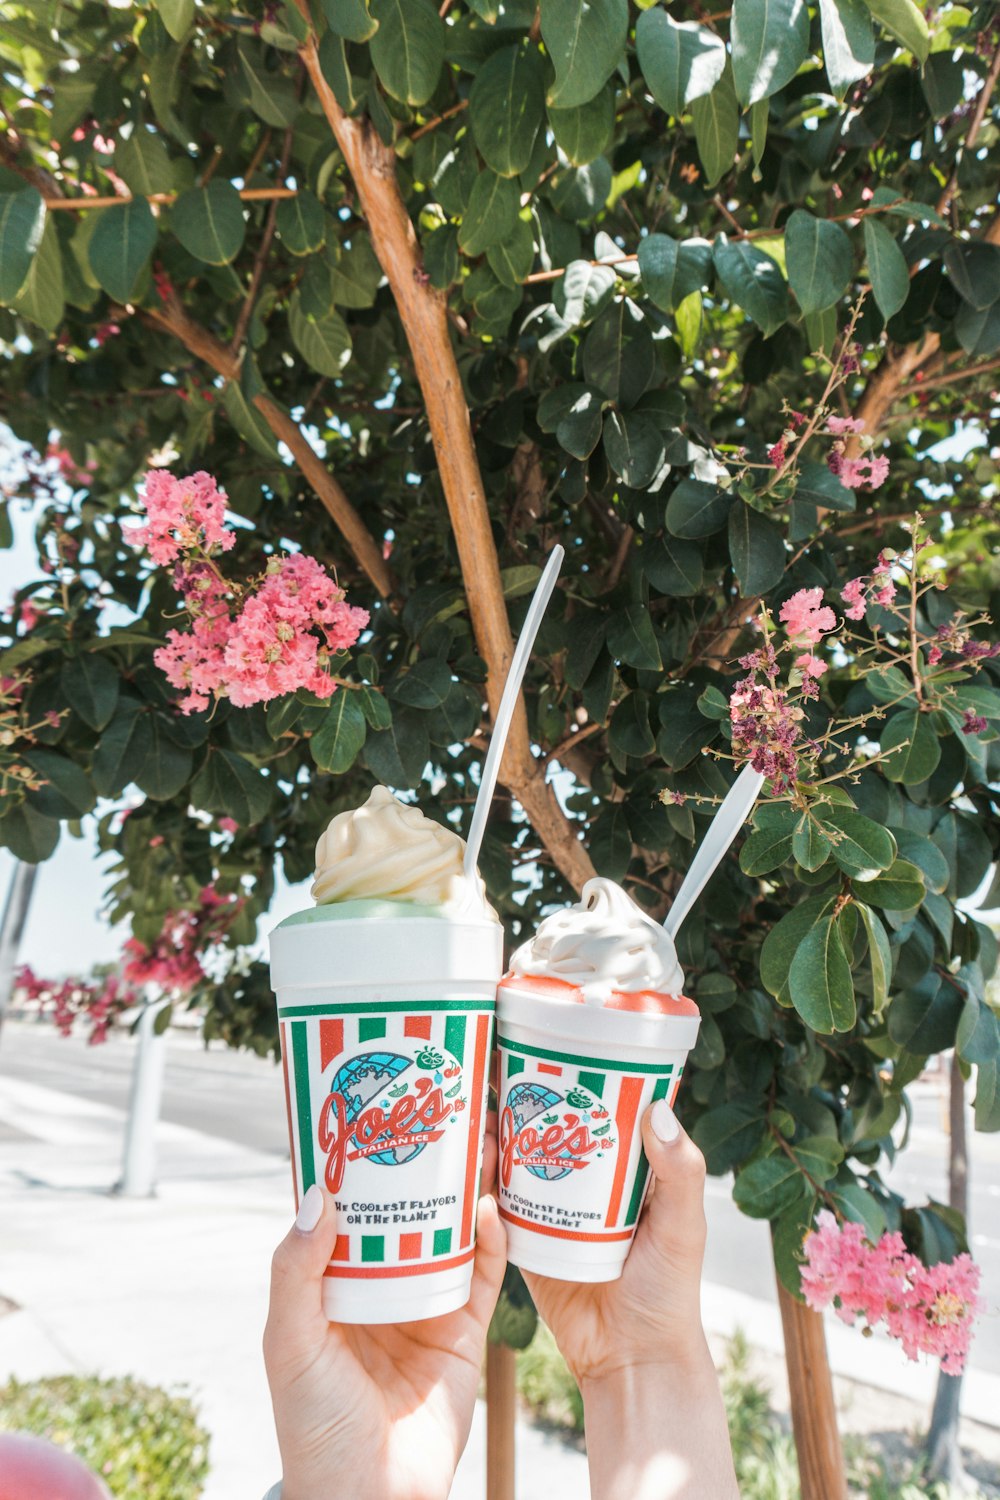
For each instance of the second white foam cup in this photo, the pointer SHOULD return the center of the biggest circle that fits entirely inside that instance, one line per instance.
(575, 1080)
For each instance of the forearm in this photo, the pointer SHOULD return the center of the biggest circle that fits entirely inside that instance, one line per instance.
(658, 1432)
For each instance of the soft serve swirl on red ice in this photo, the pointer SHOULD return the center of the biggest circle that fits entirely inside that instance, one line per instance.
(605, 943)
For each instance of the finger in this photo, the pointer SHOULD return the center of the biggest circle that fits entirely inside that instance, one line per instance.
(491, 1261)
(488, 1176)
(295, 1316)
(674, 1219)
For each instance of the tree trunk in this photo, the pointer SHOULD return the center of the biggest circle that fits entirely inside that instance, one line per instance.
(501, 1410)
(15, 915)
(943, 1449)
(814, 1414)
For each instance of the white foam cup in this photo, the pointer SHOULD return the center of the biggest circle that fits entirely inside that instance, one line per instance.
(386, 1017)
(575, 1081)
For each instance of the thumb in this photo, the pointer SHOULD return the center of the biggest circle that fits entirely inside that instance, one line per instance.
(490, 1263)
(674, 1222)
(295, 1316)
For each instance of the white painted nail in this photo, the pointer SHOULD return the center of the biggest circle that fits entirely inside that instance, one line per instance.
(664, 1122)
(310, 1210)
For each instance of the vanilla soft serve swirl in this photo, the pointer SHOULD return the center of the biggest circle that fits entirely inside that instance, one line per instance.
(603, 943)
(388, 850)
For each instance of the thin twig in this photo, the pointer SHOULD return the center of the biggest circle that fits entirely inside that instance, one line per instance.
(249, 195)
(260, 259)
(571, 741)
(456, 109)
(972, 135)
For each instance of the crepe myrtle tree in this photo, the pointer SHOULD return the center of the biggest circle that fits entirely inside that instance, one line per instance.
(711, 296)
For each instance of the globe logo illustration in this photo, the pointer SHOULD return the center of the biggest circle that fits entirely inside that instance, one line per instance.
(528, 1102)
(378, 1079)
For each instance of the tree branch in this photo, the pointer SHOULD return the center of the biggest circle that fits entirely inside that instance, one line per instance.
(423, 313)
(260, 259)
(972, 134)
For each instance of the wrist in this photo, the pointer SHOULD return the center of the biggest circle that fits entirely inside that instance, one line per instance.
(630, 1380)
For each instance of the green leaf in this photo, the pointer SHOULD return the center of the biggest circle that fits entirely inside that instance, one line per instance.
(301, 223)
(753, 281)
(122, 750)
(426, 684)
(374, 707)
(247, 421)
(120, 246)
(91, 687)
(788, 1234)
(766, 849)
(697, 509)
(407, 50)
(583, 132)
(673, 567)
(680, 60)
(848, 42)
(817, 486)
(168, 765)
(925, 854)
(820, 260)
(336, 744)
(757, 549)
(716, 121)
(899, 889)
(68, 792)
(766, 1187)
(585, 41)
(727, 1134)
(41, 297)
(887, 268)
(333, 66)
(579, 431)
(398, 755)
(631, 638)
(861, 847)
(975, 271)
(819, 1155)
(141, 160)
(490, 214)
(324, 343)
(810, 846)
(356, 276)
(906, 23)
(879, 955)
(512, 259)
(770, 41)
(978, 1037)
(272, 94)
(987, 1101)
(177, 16)
(28, 834)
(925, 1019)
(611, 842)
(819, 979)
(350, 19)
(671, 270)
(911, 748)
(209, 222)
(618, 353)
(582, 292)
(629, 733)
(633, 447)
(22, 225)
(978, 332)
(506, 107)
(857, 1205)
(227, 783)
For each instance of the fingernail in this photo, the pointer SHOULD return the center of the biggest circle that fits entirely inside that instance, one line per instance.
(310, 1210)
(664, 1122)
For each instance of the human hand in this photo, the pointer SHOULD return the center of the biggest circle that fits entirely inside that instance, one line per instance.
(390, 1405)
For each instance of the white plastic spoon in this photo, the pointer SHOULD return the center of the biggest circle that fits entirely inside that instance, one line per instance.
(505, 713)
(724, 827)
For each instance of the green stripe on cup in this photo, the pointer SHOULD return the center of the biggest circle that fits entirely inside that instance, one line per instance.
(383, 1007)
(373, 1247)
(594, 1082)
(613, 1064)
(454, 1036)
(303, 1104)
(371, 1027)
(660, 1091)
(442, 1241)
(514, 1065)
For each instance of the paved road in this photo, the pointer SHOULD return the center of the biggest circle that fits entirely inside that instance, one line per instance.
(240, 1098)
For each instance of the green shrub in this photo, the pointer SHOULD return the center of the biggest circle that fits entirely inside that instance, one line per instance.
(145, 1442)
(546, 1386)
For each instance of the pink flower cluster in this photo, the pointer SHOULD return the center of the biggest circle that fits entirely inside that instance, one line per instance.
(876, 587)
(173, 963)
(250, 644)
(182, 515)
(868, 468)
(69, 999)
(930, 1309)
(77, 475)
(956, 639)
(765, 725)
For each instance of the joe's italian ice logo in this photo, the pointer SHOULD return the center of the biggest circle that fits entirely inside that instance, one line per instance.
(387, 1108)
(551, 1141)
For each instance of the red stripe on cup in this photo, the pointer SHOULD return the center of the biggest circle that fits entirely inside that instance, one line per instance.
(476, 1097)
(418, 1026)
(628, 1106)
(550, 1068)
(565, 1234)
(288, 1107)
(342, 1248)
(331, 1041)
(409, 1246)
(427, 1269)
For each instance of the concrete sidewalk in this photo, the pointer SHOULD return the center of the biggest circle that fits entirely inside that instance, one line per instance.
(174, 1289)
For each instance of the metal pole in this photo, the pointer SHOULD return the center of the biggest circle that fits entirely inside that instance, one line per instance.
(15, 915)
(943, 1448)
(138, 1179)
